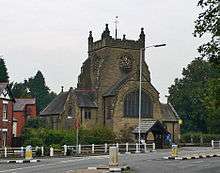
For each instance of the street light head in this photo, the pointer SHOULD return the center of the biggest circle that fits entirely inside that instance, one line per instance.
(159, 45)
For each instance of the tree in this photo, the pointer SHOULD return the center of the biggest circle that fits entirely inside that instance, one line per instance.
(208, 22)
(3, 71)
(187, 95)
(20, 90)
(40, 91)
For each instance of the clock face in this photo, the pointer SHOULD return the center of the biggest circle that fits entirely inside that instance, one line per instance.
(125, 63)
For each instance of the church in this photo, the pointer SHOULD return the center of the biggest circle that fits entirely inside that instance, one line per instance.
(107, 93)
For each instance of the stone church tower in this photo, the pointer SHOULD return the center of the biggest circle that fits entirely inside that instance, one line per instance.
(107, 92)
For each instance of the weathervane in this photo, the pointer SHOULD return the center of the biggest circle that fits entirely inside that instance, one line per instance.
(116, 27)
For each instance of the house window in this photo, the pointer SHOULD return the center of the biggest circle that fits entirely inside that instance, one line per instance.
(108, 109)
(131, 105)
(4, 139)
(87, 115)
(5, 111)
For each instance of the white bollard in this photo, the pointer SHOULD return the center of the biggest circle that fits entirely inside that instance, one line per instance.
(126, 147)
(51, 152)
(42, 151)
(22, 151)
(154, 147)
(106, 148)
(117, 145)
(137, 149)
(145, 147)
(212, 143)
(65, 150)
(79, 149)
(5, 152)
(93, 148)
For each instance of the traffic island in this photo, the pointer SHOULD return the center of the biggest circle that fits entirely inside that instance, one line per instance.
(19, 161)
(192, 157)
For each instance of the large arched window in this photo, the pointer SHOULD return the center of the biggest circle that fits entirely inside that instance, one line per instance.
(131, 105)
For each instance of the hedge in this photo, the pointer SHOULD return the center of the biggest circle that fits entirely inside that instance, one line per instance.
(58, 138)
(186, 138)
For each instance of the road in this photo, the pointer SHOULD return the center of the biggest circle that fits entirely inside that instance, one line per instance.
(140, 163)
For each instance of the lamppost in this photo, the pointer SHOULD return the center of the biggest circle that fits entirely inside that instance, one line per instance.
(140, 88)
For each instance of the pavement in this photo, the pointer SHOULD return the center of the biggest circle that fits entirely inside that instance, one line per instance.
(139, 163)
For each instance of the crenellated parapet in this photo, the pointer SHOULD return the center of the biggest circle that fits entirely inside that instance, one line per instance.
(108, 41)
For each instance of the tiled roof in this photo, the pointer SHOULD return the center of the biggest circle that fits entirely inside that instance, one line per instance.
(112, 90)
(3, 86)
(21, 103)
(168, 112)
(148, 125)
(56, 106)
(84, 100)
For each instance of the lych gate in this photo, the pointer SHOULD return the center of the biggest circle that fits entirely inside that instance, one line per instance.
(152, 131)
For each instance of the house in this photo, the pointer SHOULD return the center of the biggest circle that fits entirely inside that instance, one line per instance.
(107, 93)
(23, 109)
(6, 115)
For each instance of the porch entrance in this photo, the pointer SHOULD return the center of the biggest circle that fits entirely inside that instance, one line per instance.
(152, 131)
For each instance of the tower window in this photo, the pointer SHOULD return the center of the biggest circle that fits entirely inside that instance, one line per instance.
(131, 105)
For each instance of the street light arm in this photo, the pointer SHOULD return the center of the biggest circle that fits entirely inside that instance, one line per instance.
(155, 45)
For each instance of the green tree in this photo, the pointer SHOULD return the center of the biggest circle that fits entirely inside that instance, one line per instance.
(208, 22)
(187, 95)
(20, 90)
(3, 71)
(40, 91)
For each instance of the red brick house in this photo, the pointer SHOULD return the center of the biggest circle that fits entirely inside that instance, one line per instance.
(6, 115)
(23, 109)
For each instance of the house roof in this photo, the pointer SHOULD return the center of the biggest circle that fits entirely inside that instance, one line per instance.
(148, 125)
(56, 106)
(168, 112)
(3, 86)
(113, 89)
(21, 103)
(84, 100)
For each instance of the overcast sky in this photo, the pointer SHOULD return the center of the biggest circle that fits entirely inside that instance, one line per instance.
(51, 36)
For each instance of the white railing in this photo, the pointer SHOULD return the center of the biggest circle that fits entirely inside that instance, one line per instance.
(80, 149)
(104, 148)
(215, 144)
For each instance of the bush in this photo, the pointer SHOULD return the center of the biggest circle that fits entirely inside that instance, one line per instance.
(58, 138)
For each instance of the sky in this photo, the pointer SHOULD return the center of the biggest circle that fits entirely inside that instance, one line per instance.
(51, 36)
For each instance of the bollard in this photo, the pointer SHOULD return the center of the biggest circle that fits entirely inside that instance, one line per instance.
(174, 151)
(28, 153)
(145, 147)
(106, 148)
(93, 148)
(126, 147)
(51, 152)
(5, 152)
(42, 151)
(79, 149)
(137, 149)
(22, 151)
(154, 147)
(113, 156)
(117, 145)
(65, 150)
(212, 143)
